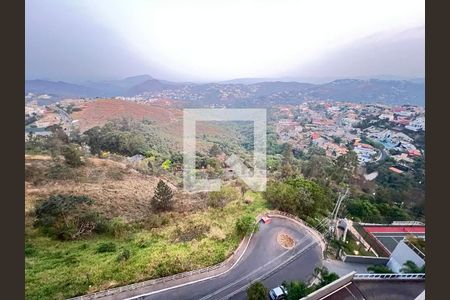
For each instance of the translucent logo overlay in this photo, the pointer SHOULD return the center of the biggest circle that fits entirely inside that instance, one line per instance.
(255, 179)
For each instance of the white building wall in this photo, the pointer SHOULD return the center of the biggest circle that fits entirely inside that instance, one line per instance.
(401, 254)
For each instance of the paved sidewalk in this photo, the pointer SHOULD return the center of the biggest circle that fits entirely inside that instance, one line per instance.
(343, 268)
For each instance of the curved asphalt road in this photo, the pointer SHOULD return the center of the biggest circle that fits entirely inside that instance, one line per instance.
(263, 260)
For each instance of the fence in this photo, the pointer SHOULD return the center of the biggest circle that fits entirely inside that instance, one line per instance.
(398, 276)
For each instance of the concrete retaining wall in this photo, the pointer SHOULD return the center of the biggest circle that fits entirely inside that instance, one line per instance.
(373, 260)
(324, 291)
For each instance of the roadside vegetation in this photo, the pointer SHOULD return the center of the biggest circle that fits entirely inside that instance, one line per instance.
(296, 289)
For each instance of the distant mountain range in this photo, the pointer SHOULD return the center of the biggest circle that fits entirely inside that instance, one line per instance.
(241, 92)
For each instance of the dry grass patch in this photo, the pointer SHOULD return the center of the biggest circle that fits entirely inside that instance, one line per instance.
(285, 240)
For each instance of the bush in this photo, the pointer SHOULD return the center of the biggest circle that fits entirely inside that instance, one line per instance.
(142, 243)
(106, 247)
(169, 266)
(61, 172)
(297, 290)
(324, 276)
(34, 174)
(29, 249)
(72, 156)
(257, 291)
(377, 269)
(124, 255)
(245, 225)
(155, 221)
(66, 217)
(193, 231)
(117, 228)
(115, 173)
(221, 198)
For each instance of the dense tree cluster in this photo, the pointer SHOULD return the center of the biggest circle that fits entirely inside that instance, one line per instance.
(376, 212)
(126, 137)
(302, 197)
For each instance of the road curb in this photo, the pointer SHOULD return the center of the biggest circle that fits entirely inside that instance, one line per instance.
(228, 264)
(302, 223)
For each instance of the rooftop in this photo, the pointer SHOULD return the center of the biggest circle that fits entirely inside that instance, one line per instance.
(371, 287)
(390, 236)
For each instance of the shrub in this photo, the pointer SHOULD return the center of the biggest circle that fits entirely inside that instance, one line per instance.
(411, 267)
(106, 247)
(117, 228)
(66, 218)
(379, 269)
(29, 249)
(169, 266)
(257, 291)
(72, 156)
(297, 290)
(124, 255)
(88, 222)
(221, 198)
(34, 174)
(193, 231)
(61, 172)
(155, 221)
(115, 173)
(142, 243)
(245, 225)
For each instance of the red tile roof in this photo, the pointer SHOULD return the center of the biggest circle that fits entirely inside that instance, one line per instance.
(395, 229)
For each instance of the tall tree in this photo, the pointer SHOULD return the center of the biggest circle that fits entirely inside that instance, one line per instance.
(163, 198)
(93, 139)
(286, 167)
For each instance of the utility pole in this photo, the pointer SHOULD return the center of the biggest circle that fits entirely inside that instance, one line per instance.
(334, 214)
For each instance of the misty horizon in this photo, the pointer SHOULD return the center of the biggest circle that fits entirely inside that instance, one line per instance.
(83, 41)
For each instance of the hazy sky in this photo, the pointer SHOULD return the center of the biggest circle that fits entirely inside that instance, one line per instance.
(202, 40)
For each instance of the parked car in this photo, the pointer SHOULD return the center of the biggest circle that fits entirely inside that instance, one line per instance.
(278, 293)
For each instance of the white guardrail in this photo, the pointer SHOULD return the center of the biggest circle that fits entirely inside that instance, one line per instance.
(406, 276)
